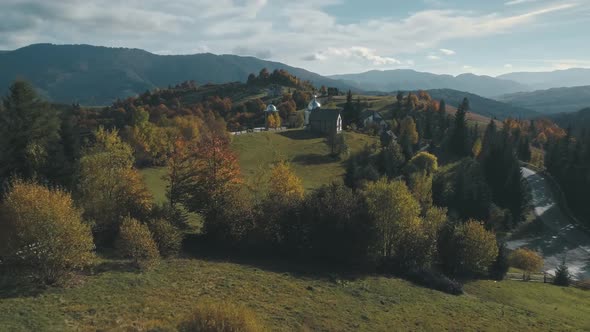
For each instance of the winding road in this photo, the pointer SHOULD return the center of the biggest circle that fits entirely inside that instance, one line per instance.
(559, 237)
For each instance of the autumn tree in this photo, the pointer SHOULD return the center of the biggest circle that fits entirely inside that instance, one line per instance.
(526, 260)
(424, 162)
(468, 249)
(408, 135)
(208, 186)
(109, 187)
(135, 241)
(42, 232)
(395, 212)
(283, 184)
(420, 184)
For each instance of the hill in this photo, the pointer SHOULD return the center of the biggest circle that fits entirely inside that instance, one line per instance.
(579, 121)
(551, 101)
(93, 75)
(553, 79)
(407, 80)
(288, 297)
(480, 105)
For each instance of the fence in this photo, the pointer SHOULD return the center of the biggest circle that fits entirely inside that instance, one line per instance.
(546, 278)
(257, 130)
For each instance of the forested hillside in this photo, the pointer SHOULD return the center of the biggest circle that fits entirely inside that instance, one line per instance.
(552, 101)
(92, 75)
(484, 106)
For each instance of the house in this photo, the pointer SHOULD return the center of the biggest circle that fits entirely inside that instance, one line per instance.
(323, 121)
(370, 117)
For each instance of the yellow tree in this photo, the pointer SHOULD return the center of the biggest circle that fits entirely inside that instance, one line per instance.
(43, 230)
(476, 149)
(408, 135)
(526, 260)
(395, 211)
(283, 184)
(110, 188)
(424, 162)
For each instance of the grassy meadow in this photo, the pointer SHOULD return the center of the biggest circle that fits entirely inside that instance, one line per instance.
(288, 298)
(257, 152)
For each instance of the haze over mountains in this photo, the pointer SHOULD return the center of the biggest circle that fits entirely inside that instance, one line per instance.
(93, 75)
(407, 79)
(555, 100)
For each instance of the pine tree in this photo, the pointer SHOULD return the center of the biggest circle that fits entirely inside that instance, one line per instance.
(562, 275)
(460, 136)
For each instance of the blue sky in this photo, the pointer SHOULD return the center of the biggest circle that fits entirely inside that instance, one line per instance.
(325, 36)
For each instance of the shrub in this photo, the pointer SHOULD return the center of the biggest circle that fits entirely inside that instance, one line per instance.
(42, 232)
(435, 280)
(468, 249)
(562, 275)
(135, 241)
(167, 237)
(501, 266)
(221, 317)
(526, 260)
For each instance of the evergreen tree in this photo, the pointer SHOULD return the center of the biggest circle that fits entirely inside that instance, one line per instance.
(30, 139)
(460, 135)
(562, 275)
(501, 266)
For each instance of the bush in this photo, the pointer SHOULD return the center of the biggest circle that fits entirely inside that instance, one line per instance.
(468, 249)
(43, 233)
(435, 280)
(221, 317)
(526, 260)
(135, 241)
(501, 266)
(167, 237)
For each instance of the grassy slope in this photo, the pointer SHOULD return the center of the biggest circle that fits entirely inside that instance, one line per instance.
(307, 154)
(118, 299)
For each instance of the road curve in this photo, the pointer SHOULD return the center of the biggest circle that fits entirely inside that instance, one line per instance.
(559, 237)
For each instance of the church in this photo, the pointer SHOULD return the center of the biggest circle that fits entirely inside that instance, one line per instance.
(322, 121)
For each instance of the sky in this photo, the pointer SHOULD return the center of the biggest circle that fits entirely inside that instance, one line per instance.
(325, 36)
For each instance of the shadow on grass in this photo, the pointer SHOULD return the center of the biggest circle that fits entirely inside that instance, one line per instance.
(195, 246)
(313, 159)
(299, 134)
(114, 266)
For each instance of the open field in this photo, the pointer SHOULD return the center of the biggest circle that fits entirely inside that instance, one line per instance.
(307, 154)
(289, 298)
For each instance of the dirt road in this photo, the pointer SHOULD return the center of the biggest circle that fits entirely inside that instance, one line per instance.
(559, 237)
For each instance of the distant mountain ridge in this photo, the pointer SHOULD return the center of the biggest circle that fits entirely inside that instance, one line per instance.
(95, 75)
(480, 105)
(551, 101)
(553, 79)
(407, 79)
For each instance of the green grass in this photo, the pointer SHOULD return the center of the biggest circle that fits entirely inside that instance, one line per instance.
(307, 154)
(121, 300)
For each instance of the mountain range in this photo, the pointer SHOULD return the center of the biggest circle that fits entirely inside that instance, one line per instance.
(547, 80)
(94, 75)
(551, 101)
(407, 79)
(481, 105)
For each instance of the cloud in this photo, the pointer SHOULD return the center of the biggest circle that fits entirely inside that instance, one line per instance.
(446, 51)
(518, 2)
(357, 52)
(302, 32)
(508, 66)
(433, 57)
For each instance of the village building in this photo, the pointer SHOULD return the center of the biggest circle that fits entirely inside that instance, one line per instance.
(322, 121)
